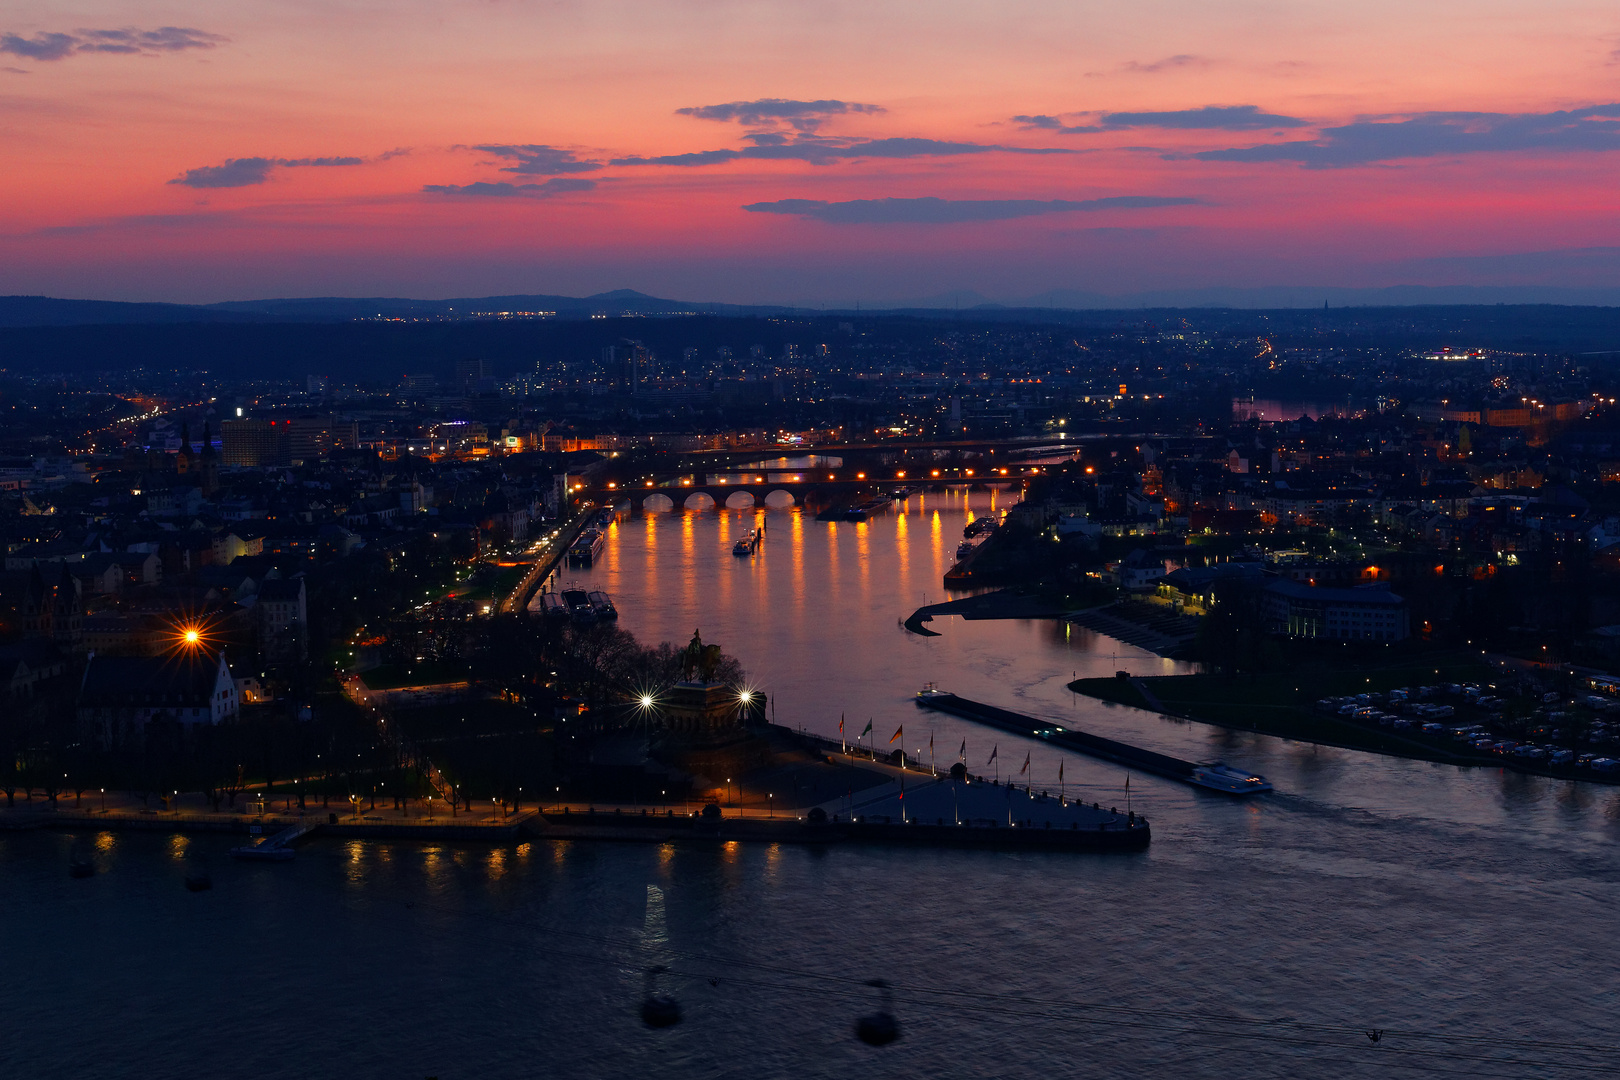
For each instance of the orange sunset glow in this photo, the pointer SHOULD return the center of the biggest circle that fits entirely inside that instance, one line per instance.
(809, 153)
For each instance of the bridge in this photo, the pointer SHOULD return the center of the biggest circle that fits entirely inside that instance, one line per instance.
(805, 487)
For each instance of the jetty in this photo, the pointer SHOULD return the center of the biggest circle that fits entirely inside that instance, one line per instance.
(279, 846)
(933, 811)
(1215, 776)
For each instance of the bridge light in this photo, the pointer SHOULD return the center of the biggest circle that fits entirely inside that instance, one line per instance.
(901, 475)
(970, 472)
(936, 472)
(862, 476)
(649, 483)
(611, 484)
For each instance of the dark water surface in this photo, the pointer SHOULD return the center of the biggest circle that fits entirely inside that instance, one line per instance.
(1470, 915)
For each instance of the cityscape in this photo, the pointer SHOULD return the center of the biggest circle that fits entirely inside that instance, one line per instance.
(427, 653)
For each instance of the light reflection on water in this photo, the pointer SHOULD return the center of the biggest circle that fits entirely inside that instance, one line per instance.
(1368, 892)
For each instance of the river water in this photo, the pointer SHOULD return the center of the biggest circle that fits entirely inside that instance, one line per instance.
(1468, 915)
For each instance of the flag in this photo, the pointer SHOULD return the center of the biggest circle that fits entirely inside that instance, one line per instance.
(1026, 764)
(899, 731)
(868, 730)
(1060, 773)
(930, 742)
(992, 755)
(840, 724)
(962, 753)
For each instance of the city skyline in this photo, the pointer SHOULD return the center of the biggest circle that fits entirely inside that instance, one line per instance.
(798, 155)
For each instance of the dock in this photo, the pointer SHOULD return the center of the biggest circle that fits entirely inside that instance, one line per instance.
(1133, 757)
(278, 846)
(1009, 820)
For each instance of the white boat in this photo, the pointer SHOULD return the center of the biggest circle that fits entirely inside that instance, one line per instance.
(742, 547)
(1219, 776)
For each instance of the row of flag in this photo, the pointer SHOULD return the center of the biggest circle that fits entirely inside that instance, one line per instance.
(962, 753)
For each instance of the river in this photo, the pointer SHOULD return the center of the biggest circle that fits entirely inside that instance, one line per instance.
(1467, 915)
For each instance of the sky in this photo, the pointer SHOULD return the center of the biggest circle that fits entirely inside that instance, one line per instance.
(806, 152)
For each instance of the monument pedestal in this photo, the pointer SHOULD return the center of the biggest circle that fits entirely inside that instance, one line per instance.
(704, 731)
(697, 713)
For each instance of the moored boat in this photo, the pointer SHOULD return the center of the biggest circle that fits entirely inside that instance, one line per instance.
(602, 604)
(578, 603)
(587, 548)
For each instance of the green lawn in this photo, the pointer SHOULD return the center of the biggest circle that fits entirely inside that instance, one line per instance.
(424, 673)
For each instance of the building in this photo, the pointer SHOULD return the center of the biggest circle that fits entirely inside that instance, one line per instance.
(53, 610)
(474, 377)
(252, 442)
(24, 666)
(1364, 613)
(248, 442)
(282, 615)
(121, 694)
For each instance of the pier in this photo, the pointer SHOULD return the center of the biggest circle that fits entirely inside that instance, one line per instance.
(1148, 761)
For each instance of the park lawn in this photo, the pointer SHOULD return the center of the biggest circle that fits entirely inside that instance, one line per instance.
(421, 673)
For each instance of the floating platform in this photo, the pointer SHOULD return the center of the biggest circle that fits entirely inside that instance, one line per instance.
(1213, 776)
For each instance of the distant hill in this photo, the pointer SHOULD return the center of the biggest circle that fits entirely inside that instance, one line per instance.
(49, 311)
(43, 311)
(344, 309)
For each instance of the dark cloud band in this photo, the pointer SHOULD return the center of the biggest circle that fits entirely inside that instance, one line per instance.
(820, 151)
(557, 185)
(246, 172)
(47, 45)
(1207, 118)
(766, 112)
(936, 211)
(535, 159)
(1441, 134)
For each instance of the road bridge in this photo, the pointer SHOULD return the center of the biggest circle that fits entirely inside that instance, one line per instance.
(821, 487)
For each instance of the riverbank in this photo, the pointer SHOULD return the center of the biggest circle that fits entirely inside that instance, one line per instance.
(1003, 604)
(1282, 705)
(997, 604)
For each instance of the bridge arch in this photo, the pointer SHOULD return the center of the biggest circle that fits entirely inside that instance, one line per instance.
(657, 502)
(781, 498)
(740, 500)
(699, 500)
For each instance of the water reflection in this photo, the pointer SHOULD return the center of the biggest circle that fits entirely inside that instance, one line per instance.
(814, 616)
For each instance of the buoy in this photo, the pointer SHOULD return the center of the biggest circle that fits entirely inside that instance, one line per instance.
(879, 1028)
(659, 1010)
